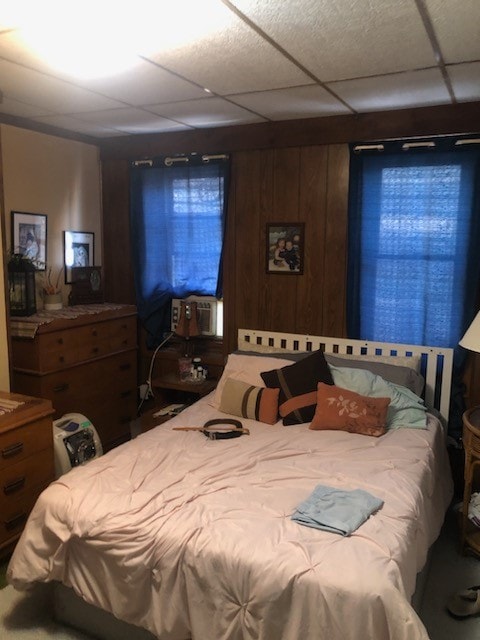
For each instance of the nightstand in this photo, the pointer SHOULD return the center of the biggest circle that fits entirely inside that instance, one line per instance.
(187, 389)
(470, 536)
(174, 390)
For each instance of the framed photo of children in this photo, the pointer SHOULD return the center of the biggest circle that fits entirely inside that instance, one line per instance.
(29, 237)
(285, 247)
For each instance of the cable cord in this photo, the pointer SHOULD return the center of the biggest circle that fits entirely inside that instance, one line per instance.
(148, 392)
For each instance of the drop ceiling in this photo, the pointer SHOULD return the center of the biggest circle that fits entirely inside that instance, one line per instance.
(270, 60)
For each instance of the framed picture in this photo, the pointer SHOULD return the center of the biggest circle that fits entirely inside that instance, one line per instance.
(29, 237)
(79, 251)
(285, 247)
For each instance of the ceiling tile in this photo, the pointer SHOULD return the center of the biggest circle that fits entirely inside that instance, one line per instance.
(131, 120)
(145, 83)
(374, 53)
(343, 39)
(73, 124)
(37, 89)
(21, 110)
(396, 91)
(465, 80)
(232, 59)
(297, 102)
(209, 112)
(457, 27)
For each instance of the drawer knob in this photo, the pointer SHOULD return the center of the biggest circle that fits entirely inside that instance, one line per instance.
(95, 350)
(94, 332)
(15, 522)
(14, 485)
(12, 450)
(125, 366)
(60, 341)
(125, 394)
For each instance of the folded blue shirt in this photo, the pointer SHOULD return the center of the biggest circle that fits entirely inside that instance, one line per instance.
(336, 510)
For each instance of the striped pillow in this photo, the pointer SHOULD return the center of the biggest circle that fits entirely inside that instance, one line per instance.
(243, 399)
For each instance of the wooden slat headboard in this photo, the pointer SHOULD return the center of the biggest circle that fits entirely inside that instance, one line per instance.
(436, 362)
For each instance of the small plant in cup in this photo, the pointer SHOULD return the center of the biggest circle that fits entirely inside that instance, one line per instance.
(51, 287)
(52, 292)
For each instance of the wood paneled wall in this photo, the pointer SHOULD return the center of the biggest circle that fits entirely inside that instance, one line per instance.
(300, 184)
(291, 171)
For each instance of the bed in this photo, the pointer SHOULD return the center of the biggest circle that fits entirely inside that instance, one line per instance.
(186, 537)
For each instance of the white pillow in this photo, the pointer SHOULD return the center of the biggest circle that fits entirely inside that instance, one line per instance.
(406, 409)
(243, 345)
(247, 369)
(412, 362)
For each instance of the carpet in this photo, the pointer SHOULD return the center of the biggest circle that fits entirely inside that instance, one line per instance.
(29, 616)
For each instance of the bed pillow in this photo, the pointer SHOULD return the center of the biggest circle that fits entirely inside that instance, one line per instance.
(245, 400)
(412, 362)
(292, 356)
(402, 375)
(344, 410)
(406, 409)
(298, 387)
(263, 349)
(247, 369)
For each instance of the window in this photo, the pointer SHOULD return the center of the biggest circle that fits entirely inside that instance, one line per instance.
(177, 224)
(413, 230)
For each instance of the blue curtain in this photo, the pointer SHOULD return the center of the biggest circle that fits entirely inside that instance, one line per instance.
(177, 222)
(414, 232)
(413, 245)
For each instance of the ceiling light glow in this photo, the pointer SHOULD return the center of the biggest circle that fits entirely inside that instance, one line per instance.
(104, 37)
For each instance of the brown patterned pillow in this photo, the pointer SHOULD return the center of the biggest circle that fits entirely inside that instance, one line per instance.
(298, 387)
(344, 410)
(245, 400)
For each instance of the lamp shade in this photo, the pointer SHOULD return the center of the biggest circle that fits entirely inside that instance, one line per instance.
(187, 326)
(471, 339)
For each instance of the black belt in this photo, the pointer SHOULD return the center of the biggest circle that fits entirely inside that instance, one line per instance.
(223, 434)
(236, 432)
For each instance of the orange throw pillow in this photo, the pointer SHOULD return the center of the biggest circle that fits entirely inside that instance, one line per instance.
(344, 410)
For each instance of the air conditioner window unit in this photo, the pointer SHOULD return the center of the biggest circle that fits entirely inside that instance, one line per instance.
(207, 313)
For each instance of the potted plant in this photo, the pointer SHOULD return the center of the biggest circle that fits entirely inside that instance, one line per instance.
(52, 293)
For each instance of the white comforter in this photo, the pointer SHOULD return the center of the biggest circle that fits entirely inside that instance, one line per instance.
(193, 538)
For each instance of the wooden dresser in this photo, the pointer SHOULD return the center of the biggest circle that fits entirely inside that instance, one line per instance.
(85, 363)
(26, 460)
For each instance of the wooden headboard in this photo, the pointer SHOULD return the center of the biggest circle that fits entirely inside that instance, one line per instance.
(436, 362)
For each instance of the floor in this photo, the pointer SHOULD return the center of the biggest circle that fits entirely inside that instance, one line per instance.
(449, 572)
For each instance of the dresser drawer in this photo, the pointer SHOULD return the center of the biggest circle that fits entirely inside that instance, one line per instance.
(57, 349)
(18, 444)
(24, 477)
(99, 381)
(93, 341)
(123, 334)
(15, 514)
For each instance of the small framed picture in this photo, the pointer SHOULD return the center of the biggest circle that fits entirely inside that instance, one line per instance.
(285, 247)
(29, 237)
(79, 251)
